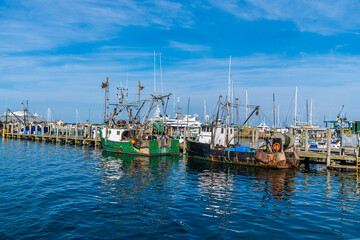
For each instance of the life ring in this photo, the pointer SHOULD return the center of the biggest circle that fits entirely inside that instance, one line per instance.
(276, 146)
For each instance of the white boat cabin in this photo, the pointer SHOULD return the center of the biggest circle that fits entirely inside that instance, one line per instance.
(118, 135)
(220, 135)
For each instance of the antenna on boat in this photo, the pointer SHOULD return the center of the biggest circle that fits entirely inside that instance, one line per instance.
(229, 83)
(204, 110)
(162, 89)
(274, 111)
(154, 74)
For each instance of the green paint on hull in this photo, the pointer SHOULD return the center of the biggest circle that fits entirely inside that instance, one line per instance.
(153, 149)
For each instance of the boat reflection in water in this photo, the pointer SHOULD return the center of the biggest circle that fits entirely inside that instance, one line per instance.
(116, 166)
(270, 183)
(142, 197)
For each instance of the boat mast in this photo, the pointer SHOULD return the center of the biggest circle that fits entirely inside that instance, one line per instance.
(228, 96)
(296, 92)
(162, 89)
(311, 111)
(246, 104)
(204, 110)
(228, 100)
(106, 112)
(178, 115)
(274, 111)
(213, 132)
(307, 112)
(139, 88)
(278, 115)
(154, 74)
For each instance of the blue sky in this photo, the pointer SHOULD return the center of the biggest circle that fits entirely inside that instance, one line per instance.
(57, 53)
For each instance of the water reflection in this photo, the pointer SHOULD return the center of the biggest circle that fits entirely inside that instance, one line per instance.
(273, 183)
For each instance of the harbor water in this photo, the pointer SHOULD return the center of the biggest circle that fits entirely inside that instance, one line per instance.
(53, 191)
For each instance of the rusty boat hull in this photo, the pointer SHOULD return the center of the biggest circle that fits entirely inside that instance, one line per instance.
(258, 158)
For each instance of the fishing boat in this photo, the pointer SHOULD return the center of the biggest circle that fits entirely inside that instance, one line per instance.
(125, 141)
(222, 145)
(272, 155)
(133, 137)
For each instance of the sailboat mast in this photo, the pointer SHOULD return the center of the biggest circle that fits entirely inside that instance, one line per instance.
(307, 112)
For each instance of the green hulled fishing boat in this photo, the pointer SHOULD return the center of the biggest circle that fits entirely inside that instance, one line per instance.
(133, 136)
(124, 141)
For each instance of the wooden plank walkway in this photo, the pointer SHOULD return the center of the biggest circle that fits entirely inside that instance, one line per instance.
(76, 140)
(317, 155)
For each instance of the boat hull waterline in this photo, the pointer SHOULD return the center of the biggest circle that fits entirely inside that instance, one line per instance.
(257, 158)
(146, 147)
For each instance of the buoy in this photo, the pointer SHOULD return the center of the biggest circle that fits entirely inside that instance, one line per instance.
(276, 146)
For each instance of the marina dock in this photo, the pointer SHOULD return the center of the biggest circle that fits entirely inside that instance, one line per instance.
(86, 135)
(342, 158)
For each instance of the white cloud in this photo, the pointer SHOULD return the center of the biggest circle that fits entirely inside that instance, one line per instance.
(186, 47)
(67, 81)
(39, 24)
(322, 16)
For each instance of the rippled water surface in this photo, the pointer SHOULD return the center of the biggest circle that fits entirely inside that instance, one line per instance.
(66, 192)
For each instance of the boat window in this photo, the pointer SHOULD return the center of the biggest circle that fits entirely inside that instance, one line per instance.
(118, 132)
(230, 131)
(109, 131)
(222, 130)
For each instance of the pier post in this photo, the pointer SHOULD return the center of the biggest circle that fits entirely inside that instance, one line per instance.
(357, 157)
(42, 131)
(57, 133)
(184, 144)
(4, 132)
(306, 140)
(76, 133)
(85, 131)
(328, 147)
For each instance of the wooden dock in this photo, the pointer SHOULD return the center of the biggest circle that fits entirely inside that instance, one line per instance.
(82, 135)
(343, 158)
